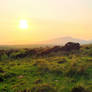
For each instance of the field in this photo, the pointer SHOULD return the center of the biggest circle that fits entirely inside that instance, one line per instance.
(55, 71)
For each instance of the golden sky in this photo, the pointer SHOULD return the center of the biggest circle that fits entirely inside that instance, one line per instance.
(46, 19)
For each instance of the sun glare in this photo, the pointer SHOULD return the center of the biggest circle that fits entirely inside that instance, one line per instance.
(23, 24)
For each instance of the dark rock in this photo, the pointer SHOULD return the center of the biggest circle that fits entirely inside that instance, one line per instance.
(71, 46)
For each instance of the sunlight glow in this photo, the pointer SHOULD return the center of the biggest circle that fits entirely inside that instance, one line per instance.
(23, 24)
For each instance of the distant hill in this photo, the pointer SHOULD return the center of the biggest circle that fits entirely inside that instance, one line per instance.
(64, 40)
(58, 41)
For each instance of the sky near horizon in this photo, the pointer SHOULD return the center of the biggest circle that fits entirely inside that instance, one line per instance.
(47, 19)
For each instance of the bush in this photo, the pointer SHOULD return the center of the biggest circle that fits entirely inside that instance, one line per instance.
(43, 88)
(79, 89)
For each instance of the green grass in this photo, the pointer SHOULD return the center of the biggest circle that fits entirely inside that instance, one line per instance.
(46, 74)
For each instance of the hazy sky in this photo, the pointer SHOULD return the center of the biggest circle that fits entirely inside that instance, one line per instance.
(47, 19)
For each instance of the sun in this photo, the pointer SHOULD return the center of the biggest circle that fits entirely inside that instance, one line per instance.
(23, 24)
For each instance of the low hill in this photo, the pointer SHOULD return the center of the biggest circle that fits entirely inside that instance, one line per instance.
(64, 40)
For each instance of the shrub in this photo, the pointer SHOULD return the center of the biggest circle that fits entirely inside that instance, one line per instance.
(79, 89)
(43, 88)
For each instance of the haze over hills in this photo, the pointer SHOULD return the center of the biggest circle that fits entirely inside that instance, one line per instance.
(58, 41)
(64, 40)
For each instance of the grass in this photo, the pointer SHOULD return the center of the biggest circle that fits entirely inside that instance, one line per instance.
(47, 73)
